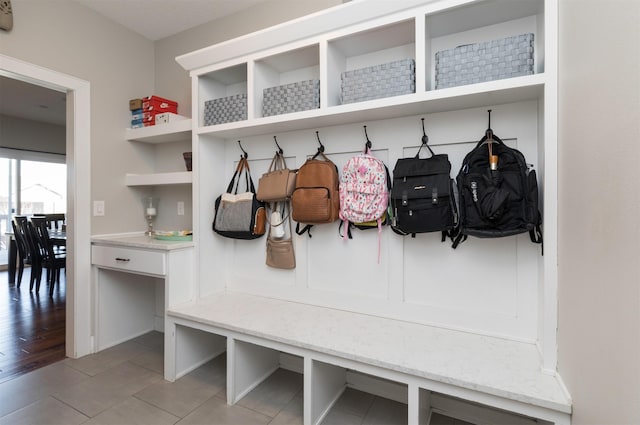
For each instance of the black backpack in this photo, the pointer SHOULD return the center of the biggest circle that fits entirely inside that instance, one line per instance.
(499, 199)
(422, 197)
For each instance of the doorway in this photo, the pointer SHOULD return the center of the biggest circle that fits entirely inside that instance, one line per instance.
(78, 164)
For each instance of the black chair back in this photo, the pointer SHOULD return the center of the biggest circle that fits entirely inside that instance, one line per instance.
(55, 221)
(19, 224)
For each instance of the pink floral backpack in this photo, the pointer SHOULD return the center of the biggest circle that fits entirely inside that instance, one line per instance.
(364, 192)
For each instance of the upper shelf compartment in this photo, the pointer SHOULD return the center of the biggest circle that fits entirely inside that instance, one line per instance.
(486, 21)
(162, 133)
(222, 95)
(354, 53)
(287, 82)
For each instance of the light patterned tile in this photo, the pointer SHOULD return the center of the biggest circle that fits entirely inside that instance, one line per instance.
(217, 411)
(133, 412)
(354, 402)
(386, 412)
(36, 385)
(292, 414)
(47, 411)
(272, 395)
(338, 417)
(150, 360)
(108, 388)
(153, 340)
(182, 396)
(94, 364)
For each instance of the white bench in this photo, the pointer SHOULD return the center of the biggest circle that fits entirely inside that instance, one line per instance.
(339, 348)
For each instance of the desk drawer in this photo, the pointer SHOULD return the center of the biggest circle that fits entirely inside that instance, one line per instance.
(129, 259)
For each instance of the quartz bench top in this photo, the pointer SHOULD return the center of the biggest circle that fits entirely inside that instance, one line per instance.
(496, 366)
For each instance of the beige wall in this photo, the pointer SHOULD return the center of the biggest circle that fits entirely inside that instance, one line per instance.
(67, 37)
(599, 209)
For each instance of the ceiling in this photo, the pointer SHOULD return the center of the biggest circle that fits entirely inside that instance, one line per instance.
(156, 19)
(153, 19)
(28, 101)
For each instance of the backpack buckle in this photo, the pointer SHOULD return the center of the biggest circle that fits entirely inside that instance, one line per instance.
(434, 196)
(405, 198)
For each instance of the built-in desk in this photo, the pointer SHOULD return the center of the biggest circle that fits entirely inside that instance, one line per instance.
(135, 280)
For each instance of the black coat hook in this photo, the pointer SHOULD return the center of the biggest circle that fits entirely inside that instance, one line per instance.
(489, 132)
(425, 141)
(280, 151)
(367, 145)
(425, 138)
(244, 155)
(321, 148)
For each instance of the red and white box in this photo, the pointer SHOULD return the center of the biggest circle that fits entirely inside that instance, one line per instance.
(158, 104)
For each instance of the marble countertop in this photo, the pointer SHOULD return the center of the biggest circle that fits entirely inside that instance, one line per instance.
(139, 240)
(496, 366)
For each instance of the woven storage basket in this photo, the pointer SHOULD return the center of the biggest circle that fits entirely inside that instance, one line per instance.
(374, 82)
(225, 109)
(294, 97)
(491, 60)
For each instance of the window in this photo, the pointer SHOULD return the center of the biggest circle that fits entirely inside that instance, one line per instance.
(30, 186)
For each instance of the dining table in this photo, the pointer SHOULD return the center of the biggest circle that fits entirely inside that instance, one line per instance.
(58, 237)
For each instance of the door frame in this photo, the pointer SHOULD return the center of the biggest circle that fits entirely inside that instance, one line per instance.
(78, 152)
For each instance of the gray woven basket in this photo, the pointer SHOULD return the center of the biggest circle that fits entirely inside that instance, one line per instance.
(491, 60)
(375, 82)
(225, 109)
(294, 97)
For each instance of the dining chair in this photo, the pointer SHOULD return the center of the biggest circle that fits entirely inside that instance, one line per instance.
(18, 223)
(50, 260)
(56, 221)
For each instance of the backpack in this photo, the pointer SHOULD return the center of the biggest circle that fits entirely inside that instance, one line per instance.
(422, 196)
(364, 190)
(364, 194)
(498, 197)
(316, 199)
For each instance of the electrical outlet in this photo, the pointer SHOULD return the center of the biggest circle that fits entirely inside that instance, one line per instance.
(98, 208)
(180, 208)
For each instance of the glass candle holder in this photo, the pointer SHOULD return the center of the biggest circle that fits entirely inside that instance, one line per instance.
(150, 208)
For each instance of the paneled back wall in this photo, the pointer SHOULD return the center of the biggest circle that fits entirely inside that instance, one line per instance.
(488, 286)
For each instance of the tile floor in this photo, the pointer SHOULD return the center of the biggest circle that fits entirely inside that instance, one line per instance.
(124, 385)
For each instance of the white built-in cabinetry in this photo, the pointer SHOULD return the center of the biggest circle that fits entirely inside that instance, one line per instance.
(499, 287)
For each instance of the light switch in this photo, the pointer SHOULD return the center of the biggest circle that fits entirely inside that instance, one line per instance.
(98, 208)
(180, 208)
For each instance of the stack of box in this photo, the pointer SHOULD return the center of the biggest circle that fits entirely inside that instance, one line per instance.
(154, 105)
(135, 106)
(152, 110)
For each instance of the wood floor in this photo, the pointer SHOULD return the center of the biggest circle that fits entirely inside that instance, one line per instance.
(32, 326)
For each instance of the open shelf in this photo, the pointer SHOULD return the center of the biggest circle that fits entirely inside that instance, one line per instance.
(159, 179)
(162, 133)
(492, 92)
